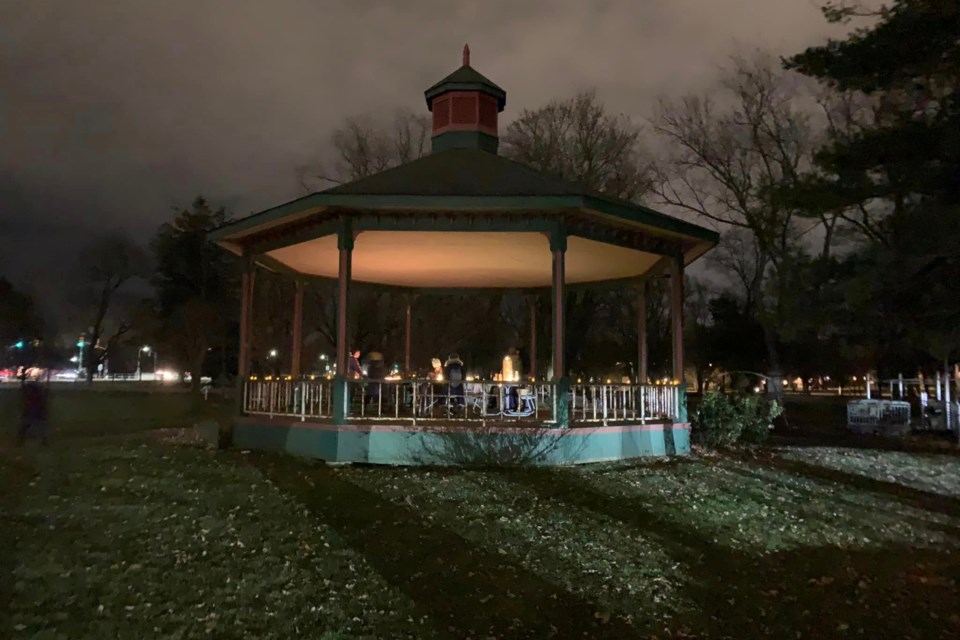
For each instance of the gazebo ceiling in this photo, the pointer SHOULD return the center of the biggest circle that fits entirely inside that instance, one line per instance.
(459, 259)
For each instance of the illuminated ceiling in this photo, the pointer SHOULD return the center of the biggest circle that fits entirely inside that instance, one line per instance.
(433, 259)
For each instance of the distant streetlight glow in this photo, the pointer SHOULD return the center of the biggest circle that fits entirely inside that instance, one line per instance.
(81, 343)
(273, 353)
(146, 349)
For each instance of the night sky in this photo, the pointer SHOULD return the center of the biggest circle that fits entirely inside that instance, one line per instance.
(112, 113)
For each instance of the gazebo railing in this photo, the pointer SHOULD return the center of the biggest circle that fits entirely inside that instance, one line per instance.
(604, 403)
(299, 398)
(420, 400)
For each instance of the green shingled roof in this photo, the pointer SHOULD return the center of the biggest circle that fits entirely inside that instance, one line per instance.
(474, 173)
(460, 172)
(466, 78)
(471, 179)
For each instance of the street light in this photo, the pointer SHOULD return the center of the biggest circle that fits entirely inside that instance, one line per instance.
(81, 343)
(272, 357)
(146, 349)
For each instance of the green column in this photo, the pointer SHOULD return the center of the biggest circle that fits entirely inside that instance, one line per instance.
(682, 416)
(558, 250)
(296, 347)
(341, 392)
(246, 329)
(642, 375)
(676, 324)
(676, 316)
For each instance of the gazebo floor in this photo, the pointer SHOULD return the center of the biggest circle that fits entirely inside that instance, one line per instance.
(460, 443)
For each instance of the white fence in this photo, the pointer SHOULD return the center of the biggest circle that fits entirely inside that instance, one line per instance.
(300, 398)
(420, 400)
(888, 417)
(622, 402)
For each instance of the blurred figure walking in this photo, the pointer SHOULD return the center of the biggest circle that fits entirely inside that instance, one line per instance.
(33, 411)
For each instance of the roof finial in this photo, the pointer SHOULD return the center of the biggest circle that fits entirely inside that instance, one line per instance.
(466, 55)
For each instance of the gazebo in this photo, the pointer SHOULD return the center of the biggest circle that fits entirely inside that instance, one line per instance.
(463, 218)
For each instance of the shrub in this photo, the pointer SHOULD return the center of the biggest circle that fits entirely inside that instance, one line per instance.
(724, 421)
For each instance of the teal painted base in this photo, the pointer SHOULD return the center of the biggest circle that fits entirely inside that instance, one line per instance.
(461, 446)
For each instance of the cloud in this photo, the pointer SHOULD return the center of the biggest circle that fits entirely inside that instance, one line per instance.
(114, 112)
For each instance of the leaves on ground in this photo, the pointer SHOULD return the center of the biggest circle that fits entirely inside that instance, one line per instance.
(153, 537)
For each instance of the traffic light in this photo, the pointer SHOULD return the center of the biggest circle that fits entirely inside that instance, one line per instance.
(18, 344)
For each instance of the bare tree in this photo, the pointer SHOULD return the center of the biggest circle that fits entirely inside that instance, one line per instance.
(730, 153)
(107, 265)
(365, 145)
(697, 324)
(739, 255)
(579, 139)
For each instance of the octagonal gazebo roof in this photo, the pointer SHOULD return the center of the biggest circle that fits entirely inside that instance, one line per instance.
(465, 217)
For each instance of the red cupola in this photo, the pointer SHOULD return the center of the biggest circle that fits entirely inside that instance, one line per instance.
(465, 105)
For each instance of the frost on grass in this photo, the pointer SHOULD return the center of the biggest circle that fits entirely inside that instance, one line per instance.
(744, 505)
(718, 546)
(177, 542)
(936, 473)
(599, 558)
(145, 541)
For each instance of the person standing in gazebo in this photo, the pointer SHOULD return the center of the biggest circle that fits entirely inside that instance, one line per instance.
(454, 374)
(354, 370)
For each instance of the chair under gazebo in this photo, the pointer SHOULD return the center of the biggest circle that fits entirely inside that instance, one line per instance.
(505, 226)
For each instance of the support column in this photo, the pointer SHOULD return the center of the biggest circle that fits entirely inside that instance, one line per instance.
(558, 249)
(559, 310)
(246, 327)
(297, 338)
(642, 374)
(532, 306)
(676, 316)
(246, 318)
(406, 344)
(341, 396)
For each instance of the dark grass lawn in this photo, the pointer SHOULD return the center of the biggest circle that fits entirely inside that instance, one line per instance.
(149, 535)
(78, 411)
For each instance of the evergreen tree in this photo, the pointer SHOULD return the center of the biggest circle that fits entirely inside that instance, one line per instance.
(891, 170)
(196, 286)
